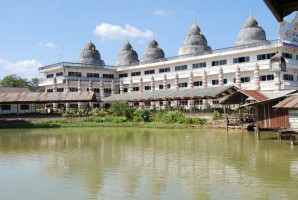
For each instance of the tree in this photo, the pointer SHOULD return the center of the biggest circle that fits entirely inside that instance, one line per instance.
(15, 81)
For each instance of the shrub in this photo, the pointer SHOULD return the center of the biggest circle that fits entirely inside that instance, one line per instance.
(172, 116)
(117, 107)
(98, 113)
(128, 113)
(113, 119)
(142, 115)
(216, 115)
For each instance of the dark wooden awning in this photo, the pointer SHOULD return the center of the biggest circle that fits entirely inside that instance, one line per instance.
(281, 8)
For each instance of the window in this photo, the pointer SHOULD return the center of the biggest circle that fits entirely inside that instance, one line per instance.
(288, 77)
(49, 90)
(76, 74)
(6, 107)
(199, 65)
(269, 77)
(265, 56)
(107, 90)
(122, 75)
(93, 75)
(73, 105)
(287, 55)
(181, 67)
(198, 102)
(182, 85)
(50, 75)
(125, 90)
(184, 103)
(135, 73)
(147, 87)
(96, 90)
(108, 75)
(149, 72)
(73, 89)
(163, 70)
(243, 79)
(24, 107)
(161, 86)
(198, 83)
(241, 59)
(216, 82)
(60, 89)
(135, 89)
(59, 74)
(219, 62)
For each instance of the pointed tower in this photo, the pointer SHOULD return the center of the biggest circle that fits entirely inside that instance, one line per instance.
(251, 33)
(153, 52)
(195, 42)
(90, 55)
(127, 56)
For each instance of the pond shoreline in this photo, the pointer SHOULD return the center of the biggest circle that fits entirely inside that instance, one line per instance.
(59, 122)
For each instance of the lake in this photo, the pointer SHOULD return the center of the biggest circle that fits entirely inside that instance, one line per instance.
(149, 164)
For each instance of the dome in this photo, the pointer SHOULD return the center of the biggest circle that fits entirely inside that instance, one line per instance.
(153, 52)
(251, 33)
(195, 42)
(127, 56)
(90, 55)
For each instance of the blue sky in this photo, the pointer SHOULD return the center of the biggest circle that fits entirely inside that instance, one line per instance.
(36, 33)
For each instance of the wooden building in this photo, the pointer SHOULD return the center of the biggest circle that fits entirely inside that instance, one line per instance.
(266, 116)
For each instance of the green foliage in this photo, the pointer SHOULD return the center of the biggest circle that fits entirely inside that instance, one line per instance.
(172, 117)
(98, 112)
(114, 119)
(15, 81)
(75, 113)
(128, 113)
(216, 115)
(117, 107)
(142, 115)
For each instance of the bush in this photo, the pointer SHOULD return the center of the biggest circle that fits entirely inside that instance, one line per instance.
(142, 115)
(117, 108)
(172, 117)
(98, 113)
(216, 115)
(113, 119)
(128, 113)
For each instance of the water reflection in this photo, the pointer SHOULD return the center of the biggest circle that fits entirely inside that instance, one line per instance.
(125, 163)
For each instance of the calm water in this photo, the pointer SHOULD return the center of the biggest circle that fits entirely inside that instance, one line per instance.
(149, 164)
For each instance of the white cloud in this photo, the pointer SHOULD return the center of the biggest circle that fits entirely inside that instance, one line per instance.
(47, 44)
(113, 32)
(161, 12)
(23, 68)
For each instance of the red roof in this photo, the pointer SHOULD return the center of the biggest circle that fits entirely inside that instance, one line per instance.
(290, 102)
(257, 95)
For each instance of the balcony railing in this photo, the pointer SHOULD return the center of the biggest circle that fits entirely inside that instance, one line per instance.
(78, 65)
(273, 43)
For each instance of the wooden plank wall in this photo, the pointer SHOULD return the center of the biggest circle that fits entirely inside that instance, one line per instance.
(269, 117)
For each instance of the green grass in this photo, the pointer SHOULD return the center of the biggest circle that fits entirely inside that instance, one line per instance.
(8, 124)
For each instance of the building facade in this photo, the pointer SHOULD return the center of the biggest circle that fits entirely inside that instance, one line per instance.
(244, 64)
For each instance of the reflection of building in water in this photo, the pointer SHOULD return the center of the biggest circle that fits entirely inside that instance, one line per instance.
(249, 56)
(163, 163)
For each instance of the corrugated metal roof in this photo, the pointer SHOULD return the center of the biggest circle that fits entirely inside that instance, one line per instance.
(46, 97)
(13, 89)
(256, 95)
(290, 102)
(196, 93)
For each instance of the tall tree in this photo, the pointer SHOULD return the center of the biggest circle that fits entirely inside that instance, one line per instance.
(15, 81)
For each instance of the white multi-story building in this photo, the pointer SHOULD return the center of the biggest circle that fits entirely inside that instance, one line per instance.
(249, 56)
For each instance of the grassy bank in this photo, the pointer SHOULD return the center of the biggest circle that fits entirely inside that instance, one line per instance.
(82, 122)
